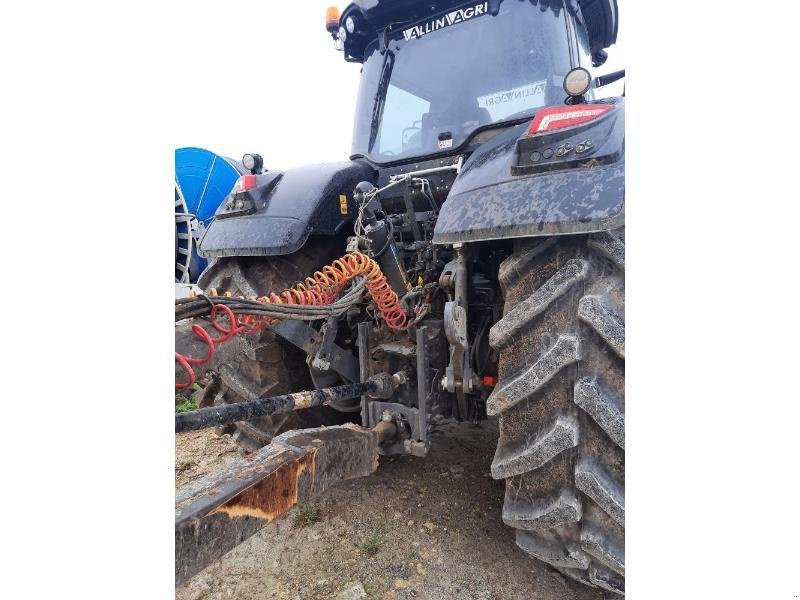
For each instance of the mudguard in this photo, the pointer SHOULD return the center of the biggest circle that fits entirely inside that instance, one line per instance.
(288, 207)
(502, 192)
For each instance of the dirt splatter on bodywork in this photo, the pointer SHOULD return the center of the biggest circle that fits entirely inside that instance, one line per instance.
(572, 193)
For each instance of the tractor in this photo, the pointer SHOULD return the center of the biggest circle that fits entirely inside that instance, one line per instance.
(467, 262)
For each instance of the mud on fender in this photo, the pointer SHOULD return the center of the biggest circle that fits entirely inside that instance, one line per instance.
(568, 181)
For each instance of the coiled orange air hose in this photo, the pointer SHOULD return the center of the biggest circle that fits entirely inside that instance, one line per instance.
(320, 289)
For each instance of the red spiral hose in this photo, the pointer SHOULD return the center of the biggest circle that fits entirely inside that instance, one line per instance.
(321, 289)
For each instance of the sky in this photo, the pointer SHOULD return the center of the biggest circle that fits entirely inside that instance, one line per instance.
(269, 81)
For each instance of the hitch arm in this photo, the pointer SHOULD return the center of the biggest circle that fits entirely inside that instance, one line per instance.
(219, 511)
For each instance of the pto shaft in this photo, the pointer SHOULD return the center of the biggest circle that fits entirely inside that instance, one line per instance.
(380, 386)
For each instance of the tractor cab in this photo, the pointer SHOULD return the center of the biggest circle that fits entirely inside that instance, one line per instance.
(437, 74)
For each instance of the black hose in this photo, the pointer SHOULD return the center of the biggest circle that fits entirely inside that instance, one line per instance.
(201, 306)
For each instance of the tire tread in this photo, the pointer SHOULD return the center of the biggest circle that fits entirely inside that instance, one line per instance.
(561, 403)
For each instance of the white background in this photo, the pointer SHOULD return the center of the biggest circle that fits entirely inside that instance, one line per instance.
(96, 96)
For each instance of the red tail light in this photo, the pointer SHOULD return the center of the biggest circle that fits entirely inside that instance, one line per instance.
(559, 117)
(244, 183)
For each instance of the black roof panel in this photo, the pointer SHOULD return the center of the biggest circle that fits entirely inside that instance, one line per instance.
(601, 16)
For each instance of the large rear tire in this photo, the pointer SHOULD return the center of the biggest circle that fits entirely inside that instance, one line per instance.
(264, 364)
(561, 402)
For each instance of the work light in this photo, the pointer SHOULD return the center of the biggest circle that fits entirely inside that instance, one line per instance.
(252, 162)
(577, 82)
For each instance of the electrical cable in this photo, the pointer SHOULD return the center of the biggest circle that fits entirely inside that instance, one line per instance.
(315, 298)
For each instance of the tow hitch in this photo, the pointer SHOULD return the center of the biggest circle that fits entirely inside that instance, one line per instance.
(220, 510)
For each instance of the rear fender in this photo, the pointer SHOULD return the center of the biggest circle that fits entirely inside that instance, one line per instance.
(504, 191)
(285, 208)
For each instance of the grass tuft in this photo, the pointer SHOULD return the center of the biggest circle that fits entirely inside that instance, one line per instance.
(371, 544)
(305, 515)
(186, 406)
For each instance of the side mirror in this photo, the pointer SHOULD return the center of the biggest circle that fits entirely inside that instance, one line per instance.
(599, 58)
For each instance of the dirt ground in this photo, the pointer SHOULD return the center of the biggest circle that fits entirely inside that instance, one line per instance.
(433, 524)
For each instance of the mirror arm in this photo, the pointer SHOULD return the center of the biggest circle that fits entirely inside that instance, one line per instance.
(610, 78)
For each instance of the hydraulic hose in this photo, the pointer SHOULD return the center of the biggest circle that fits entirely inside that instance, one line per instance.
(315, 298)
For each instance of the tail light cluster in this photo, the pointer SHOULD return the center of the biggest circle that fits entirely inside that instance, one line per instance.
(240, 202)
(556, 140)
(560, 117)
(244, 183)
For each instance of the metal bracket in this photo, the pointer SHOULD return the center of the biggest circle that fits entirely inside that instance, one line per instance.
(308, 339)
(396, 349)
(373, 411)
(363, 366)
(403, 415)
(422, 384)
(458, 375)
(323, 358)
